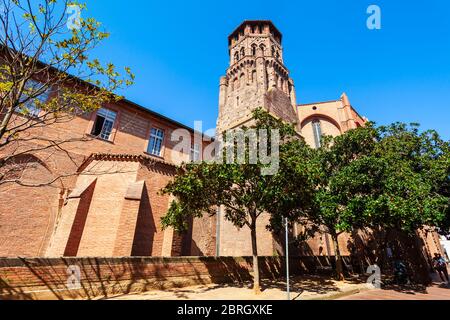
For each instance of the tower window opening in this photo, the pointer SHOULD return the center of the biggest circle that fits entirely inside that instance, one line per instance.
(317, 131)
(242, 52)
(237, 101)
(262, 49)
(236, 56)
(254, 50)
(253, 76)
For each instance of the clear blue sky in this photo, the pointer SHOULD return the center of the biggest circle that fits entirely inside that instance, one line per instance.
(178, 51)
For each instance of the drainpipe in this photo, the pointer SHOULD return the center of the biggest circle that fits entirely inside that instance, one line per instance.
(218, 231)
(287, 259)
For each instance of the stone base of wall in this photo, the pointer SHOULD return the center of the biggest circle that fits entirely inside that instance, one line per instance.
(47, 278)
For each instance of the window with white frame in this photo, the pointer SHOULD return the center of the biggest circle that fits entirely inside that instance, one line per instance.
(29, 107)
(156, 142)
(104, 123)
(195, 152)
(317, 131)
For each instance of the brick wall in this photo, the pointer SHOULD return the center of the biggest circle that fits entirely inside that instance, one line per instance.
(237, 242)
(202, 237)
(122, 216)
(46, 278)
(149, 236)
(28, 215)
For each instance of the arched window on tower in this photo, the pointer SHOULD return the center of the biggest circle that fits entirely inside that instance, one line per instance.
(317, 132)
(236, 56)
(242, 52)
(253, 76)
(273, 51)
(278, 55)
(254, 49)
(263, 48)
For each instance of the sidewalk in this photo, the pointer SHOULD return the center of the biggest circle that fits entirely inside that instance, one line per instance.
(302, 288)
(438, 290)
(434, 292)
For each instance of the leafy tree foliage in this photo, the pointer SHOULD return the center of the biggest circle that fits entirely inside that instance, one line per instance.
(383, 178)
(330, 165)
(241, 188)
(47, 74)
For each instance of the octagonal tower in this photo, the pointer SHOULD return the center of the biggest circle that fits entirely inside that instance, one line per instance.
(256, 76)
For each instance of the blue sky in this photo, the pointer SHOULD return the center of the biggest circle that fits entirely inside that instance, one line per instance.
(178, 51)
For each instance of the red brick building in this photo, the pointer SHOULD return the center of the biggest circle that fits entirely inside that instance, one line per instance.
(108, 201)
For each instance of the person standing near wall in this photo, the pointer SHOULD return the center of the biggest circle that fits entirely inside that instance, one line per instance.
(440, 265)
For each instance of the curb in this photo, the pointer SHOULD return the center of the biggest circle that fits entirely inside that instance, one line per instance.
(338, 295)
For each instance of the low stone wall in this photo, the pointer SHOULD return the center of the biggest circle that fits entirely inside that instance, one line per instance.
(48, 278)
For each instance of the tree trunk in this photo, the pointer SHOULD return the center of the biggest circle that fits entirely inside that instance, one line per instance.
(382, 250)
(10, 110)
(256, 286)
(5, 121)
(338, 258)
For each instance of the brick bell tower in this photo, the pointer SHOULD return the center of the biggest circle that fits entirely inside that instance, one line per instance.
(256, 77)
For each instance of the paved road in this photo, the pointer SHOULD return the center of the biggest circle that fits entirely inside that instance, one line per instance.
(302, 288)
(435, 292)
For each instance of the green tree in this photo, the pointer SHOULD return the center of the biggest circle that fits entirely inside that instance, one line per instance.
(47, 75)
(242, 189)
(405, 178)
(382, 178)
(329, 166)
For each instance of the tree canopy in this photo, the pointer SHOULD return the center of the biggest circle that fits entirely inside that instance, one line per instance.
(382, 178)
(241, 188)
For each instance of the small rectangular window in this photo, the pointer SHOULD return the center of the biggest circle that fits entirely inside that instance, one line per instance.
(317, 131)
(156, 142)
(195, 152)
(29, 107)
(104, 123)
